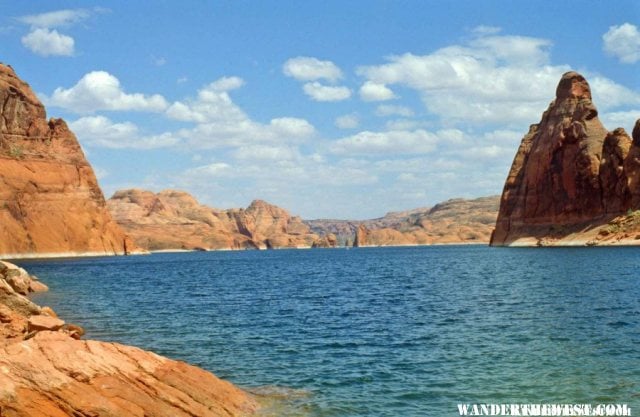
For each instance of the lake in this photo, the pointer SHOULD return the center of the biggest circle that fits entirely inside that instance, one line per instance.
(409, 331)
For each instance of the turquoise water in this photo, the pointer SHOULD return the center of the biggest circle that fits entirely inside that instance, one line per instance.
(376, 331)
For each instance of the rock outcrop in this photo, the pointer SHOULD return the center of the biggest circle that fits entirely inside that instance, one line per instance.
(570, 176)
(50, 202)
(175, 220)
(46, 371)
(456, 221)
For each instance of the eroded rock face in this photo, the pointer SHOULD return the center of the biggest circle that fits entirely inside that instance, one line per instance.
(569, 173)
(175, 220)
(54, 375)
(455, 221)
(50, 202)
(46, 371)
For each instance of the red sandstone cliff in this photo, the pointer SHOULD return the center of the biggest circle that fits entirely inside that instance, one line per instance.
(571, 179)
(175, 220)
(50, 202)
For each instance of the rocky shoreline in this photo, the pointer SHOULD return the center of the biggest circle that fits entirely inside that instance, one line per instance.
(47, 370)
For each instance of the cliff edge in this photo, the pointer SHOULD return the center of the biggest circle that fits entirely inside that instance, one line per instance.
(571, 181)
(50, 201)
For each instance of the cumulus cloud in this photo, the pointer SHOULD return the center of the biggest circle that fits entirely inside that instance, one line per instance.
(608, 95)
(391, 142)
(623, 42)
(99, 90)
(487, 80)
(219, 122)
(347, 121)
(100, 131)
(371, 91)
(311, 69)
(304, 68)
(319, 92)
(47, 42)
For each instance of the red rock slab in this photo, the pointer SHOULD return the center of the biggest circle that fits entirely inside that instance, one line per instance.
(54, 375)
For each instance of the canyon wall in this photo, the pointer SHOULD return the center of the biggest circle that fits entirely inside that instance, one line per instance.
(50, 201)
(175, 220)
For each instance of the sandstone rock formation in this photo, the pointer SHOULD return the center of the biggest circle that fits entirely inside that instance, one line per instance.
(175, 220)
(570, 176)
(45, 371)
(455, 221)
(50, 202)
(327, 241)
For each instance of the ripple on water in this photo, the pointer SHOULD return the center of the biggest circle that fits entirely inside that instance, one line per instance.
(374, 332)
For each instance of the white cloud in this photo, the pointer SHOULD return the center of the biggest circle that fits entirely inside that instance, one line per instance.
(392, 142)
(99, 90)
(623, 42)
(291, 127)
(55, 19)
(487, 80)
(385, 110)
(102, 132)
(226, 84)
(216, 169)
(607, 94)
(305, 68)
(347, 121)
(319, 92)
(625, 119)
(46, 42)
(220, 123)
(299, 171)
(371, 91)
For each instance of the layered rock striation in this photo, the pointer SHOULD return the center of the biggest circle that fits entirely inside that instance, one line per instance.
(50, 202)
(455, 221)
(570, 177)
(175, 220)
(47, 371)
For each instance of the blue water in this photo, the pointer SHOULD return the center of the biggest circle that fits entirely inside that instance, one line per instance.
(378, 331)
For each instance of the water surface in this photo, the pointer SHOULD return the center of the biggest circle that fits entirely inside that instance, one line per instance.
(375, 331)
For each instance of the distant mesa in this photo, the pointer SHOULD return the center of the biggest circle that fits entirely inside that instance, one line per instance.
(50, 202)
(572, 182)
(172, 219)
(455, 221)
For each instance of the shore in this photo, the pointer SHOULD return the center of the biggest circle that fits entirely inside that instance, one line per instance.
(47, 370)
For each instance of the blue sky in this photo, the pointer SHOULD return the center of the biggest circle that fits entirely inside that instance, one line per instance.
(330, 109)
